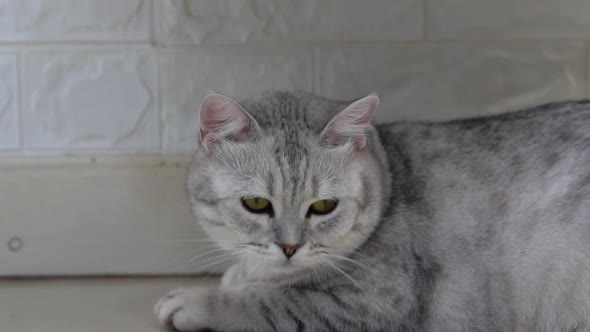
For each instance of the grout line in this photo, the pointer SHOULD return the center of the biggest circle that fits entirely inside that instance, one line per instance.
(155, 160)
(276, 46)
(285, 47)
(158, 96)
(74, 42)
(19, 101)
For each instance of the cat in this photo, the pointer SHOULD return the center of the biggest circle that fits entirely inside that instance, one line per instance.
(336, 224)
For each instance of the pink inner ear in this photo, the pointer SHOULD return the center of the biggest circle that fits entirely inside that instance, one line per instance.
(352, 123)
(222, 118)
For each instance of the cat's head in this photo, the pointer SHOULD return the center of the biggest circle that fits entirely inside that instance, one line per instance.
(287, 180)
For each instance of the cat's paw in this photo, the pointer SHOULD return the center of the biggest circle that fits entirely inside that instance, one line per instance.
(183, 310)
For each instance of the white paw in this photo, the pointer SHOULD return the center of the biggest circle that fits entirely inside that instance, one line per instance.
(183, 310)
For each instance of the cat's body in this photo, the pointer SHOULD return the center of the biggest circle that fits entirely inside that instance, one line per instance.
(479, 225)
(501, 208)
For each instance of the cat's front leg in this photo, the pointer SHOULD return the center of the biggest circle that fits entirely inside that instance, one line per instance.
(206, 309)
(185, 308)
(268, 308)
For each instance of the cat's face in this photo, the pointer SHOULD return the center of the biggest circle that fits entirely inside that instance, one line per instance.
(285, 200)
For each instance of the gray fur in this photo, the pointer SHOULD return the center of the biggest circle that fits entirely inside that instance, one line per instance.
(470, 225)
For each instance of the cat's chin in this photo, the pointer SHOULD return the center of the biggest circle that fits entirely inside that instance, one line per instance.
(243, 273)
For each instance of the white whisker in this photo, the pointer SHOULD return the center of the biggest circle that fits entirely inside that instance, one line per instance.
(204, 240)
(192, 251)
(343, 273)
(205, 254)
(346, 259)
(315, 273)
(221, 260)
(253, 268)
(225, 253)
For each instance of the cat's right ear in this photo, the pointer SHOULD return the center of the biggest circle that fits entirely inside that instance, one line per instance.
(222, 118)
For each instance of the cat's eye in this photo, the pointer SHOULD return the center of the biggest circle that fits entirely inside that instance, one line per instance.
(323, 206)
(257, 204)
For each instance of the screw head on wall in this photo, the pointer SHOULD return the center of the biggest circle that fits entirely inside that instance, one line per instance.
(15, 244)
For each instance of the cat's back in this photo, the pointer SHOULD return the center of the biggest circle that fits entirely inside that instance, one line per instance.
(496, 166)
(558, 126)
(547, 140)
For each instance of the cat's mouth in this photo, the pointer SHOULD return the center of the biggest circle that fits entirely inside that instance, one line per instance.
(286, 263)
(271, 257)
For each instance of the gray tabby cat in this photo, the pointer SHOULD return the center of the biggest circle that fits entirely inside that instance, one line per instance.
(338, 225)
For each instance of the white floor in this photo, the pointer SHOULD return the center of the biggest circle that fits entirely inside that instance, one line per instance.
(84, 305)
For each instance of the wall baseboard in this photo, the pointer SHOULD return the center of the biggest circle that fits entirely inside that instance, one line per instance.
(96, 216)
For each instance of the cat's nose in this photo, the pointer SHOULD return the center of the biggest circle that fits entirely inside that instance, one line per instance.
(289, 250)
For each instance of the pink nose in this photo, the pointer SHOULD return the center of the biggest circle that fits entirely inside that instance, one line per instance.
(289, 250)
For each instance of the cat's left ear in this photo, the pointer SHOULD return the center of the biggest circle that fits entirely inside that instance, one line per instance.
(222, 118)
(352, 123)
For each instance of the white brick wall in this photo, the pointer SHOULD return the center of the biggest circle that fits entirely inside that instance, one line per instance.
(74, 20)
(508, 19)
(9, 129)
(89, 98)
(125, 76)
(273, 21)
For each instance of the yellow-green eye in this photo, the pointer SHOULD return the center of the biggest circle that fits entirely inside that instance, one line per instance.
(324, 206)
(256, 204)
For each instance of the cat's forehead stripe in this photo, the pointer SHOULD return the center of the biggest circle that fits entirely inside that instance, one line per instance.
(292, 159)
(270, 183)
